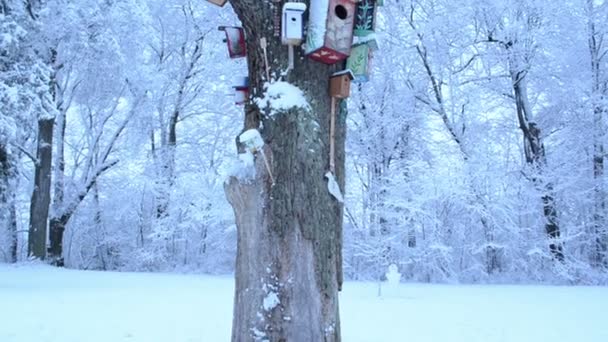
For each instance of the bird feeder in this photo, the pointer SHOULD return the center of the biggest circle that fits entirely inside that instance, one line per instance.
(235, 38)
(220, 3)
(365, 18)
(339, 84)
(241, 90)
(292, 32)
(359, 62)
(330, 30)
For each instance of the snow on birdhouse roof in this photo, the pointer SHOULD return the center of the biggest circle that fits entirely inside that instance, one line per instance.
(344, 72)
(295, 6)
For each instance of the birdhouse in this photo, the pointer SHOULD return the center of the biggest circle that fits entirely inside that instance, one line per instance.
(292, 32)
(339, 84)
(330, 30)
(252, 139)
(235, 38)
(241, 90)
(359, 62)
(220, 3)
(365, 18)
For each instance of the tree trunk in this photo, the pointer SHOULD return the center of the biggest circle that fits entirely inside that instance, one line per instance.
(534, 151)
(288, 267)
(56, 226)
(14, 240)
(7, 201)
(41, 196)
(599, 253)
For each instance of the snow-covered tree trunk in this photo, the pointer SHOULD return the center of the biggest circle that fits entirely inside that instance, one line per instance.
(8, 221)
(288, 268)
(599, 93)
(41, 196)
(534, 151)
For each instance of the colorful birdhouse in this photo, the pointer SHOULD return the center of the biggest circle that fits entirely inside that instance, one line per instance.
(235, 38)
(330, 30)
(359, 62)
(241, 90)
(220, 3)
(365, 18)
(292, 32)
(339, 84)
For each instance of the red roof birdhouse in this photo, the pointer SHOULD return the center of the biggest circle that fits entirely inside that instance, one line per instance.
(235, 38)
(330, 30)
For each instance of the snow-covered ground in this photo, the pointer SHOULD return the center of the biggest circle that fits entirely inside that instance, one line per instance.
(42, 304)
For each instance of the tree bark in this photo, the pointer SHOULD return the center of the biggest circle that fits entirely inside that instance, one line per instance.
(7, 201)
(288, 268)
(599, 253)
(534, 151)
(41, 196)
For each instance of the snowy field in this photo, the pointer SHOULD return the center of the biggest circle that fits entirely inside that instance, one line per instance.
(39, 303)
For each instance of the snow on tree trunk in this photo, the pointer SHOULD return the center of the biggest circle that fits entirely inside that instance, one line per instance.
(288, 268)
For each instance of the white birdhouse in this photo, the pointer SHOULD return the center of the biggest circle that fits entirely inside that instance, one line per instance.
(252, 139)
(292, 32)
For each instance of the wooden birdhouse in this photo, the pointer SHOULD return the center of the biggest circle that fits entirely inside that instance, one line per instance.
(365, 18)
(235, 39)
(359, 62)
(339, 84)
(220, 3)
(241, 90)
(330, 30)
(292, 32)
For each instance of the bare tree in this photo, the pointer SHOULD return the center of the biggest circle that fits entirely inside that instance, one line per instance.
(519, 48)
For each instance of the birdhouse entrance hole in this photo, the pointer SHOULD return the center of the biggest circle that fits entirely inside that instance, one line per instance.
(341, 12)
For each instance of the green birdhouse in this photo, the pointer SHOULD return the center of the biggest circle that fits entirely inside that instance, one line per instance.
(359, 62)
(365, 17)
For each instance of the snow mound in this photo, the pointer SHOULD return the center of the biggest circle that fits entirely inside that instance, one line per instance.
(281, 96)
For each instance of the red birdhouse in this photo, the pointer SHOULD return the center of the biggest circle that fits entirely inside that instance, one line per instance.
(235, 38)
(330, 30)
(241, 90)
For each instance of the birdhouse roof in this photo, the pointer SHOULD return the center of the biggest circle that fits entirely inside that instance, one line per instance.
(295, 6)
(344, 72)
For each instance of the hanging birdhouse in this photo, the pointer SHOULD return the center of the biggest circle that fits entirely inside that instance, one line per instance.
(339, 84)
(330, 30)
(365, 18)
(220, 3)
(241, 90)
(235, 38)
(292, 32)
(359, 62)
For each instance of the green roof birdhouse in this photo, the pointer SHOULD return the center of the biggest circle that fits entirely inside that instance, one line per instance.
(359, 62)
(365, 18)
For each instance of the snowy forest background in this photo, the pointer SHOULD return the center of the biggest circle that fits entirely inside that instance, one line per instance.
(441, 178)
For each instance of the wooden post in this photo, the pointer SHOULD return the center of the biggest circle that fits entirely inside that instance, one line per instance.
(332, 137)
